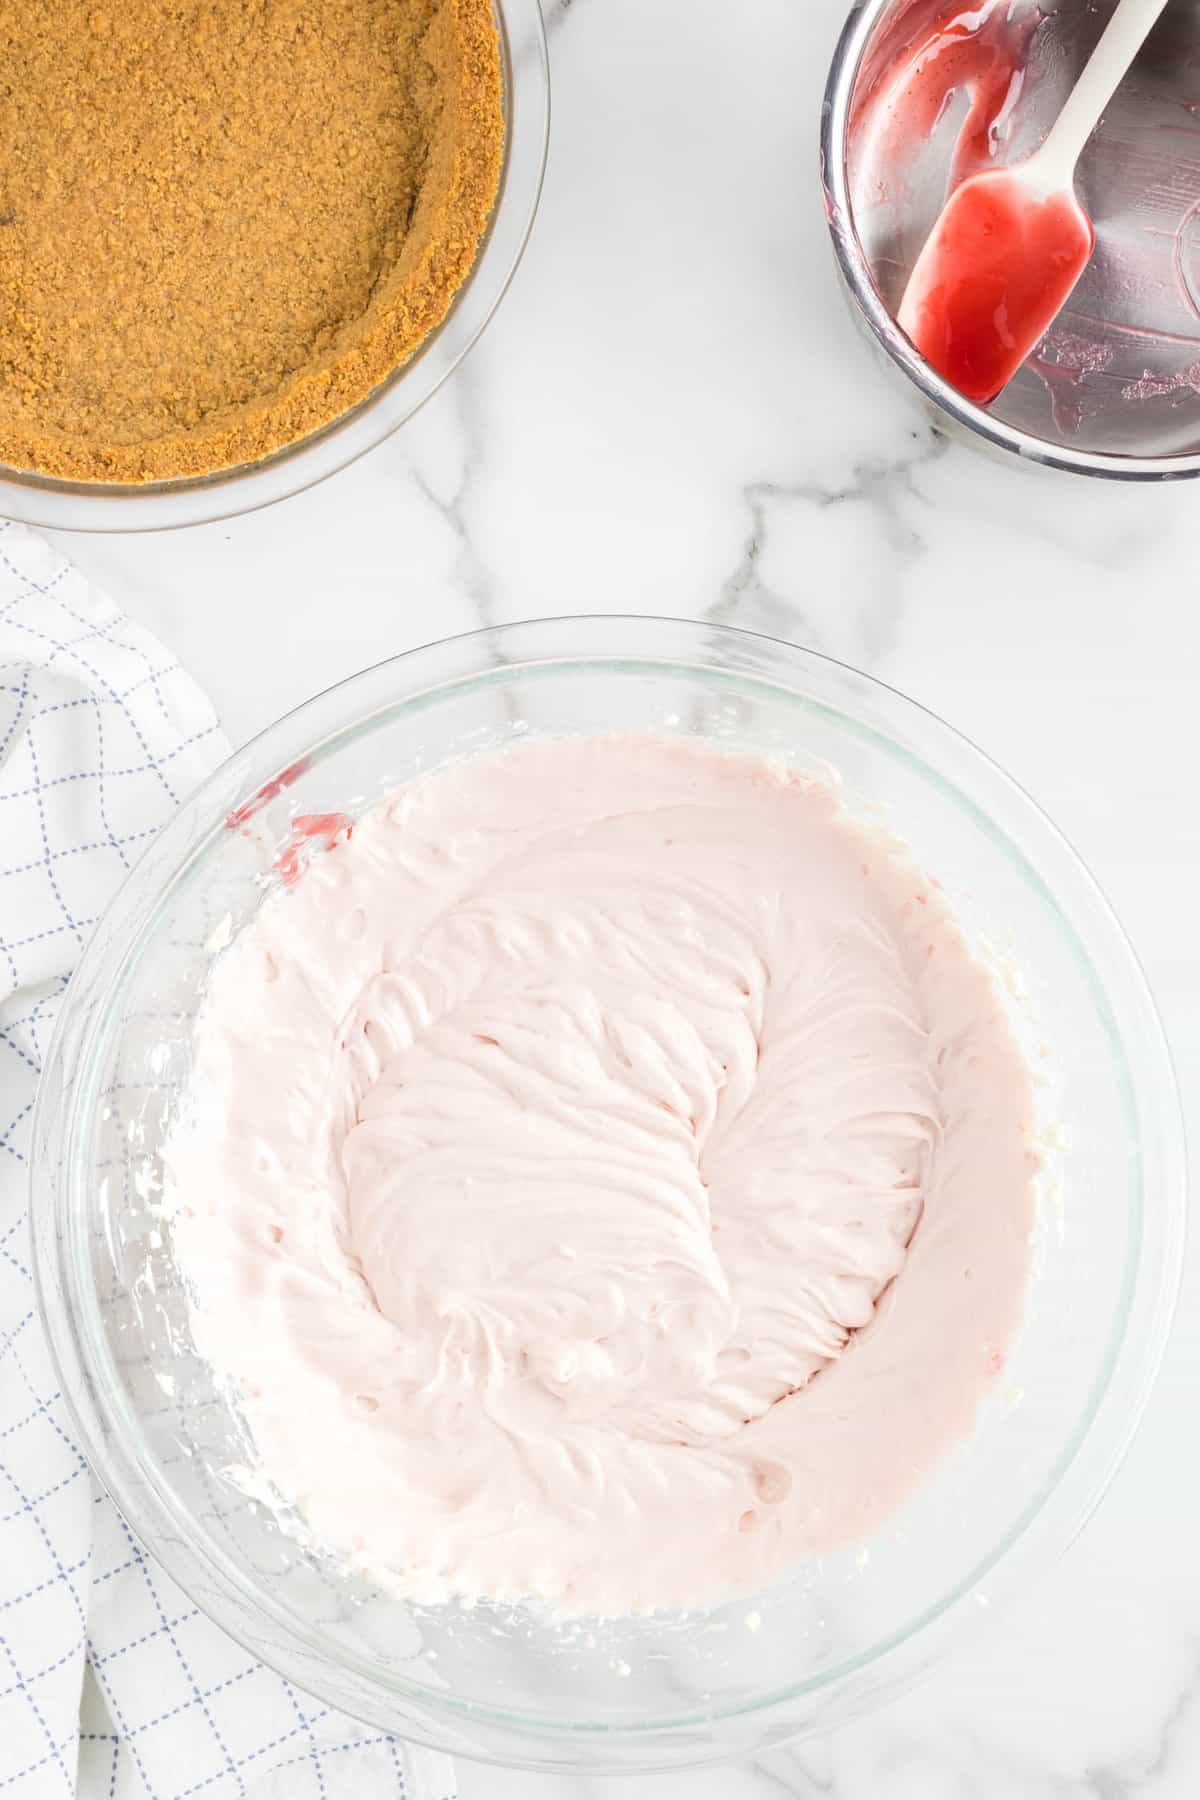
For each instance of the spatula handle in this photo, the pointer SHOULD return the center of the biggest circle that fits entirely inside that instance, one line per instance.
(1123, 37)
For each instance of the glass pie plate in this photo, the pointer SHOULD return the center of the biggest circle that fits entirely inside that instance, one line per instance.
(157, 506)
(843, 1631)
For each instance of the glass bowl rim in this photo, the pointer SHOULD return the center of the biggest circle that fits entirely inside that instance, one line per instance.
(131, 507)
(856, 274)
(108, 1427)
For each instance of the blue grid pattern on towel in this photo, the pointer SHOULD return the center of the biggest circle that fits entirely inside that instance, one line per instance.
(111, 1683)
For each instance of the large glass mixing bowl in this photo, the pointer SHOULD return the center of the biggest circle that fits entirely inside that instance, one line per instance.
(164, 505)
(499, 1682)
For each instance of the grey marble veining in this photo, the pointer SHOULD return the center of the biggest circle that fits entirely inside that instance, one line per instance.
(773, 592)
(450, 488)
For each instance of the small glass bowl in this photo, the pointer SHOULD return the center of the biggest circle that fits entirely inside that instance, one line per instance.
(503, 1683)
(159, 506)
(1114, 388)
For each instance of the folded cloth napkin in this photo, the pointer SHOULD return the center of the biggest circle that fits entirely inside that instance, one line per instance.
(111, 1683)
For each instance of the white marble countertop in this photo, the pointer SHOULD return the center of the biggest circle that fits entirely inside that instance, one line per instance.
(672, 412)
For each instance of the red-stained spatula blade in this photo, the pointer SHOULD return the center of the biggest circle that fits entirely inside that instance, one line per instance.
(996, 271)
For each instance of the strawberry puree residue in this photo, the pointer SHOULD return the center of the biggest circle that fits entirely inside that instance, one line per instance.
(1062, 363)
(270, 790)
(1152, 387)
(311, 833)
(980, 52)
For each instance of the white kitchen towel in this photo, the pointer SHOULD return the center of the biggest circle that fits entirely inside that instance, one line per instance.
(101, 736)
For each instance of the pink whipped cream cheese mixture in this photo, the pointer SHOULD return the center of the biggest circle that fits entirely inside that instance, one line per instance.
(608, 1176)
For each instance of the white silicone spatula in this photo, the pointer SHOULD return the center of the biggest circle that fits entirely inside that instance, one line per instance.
(1010, 245)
